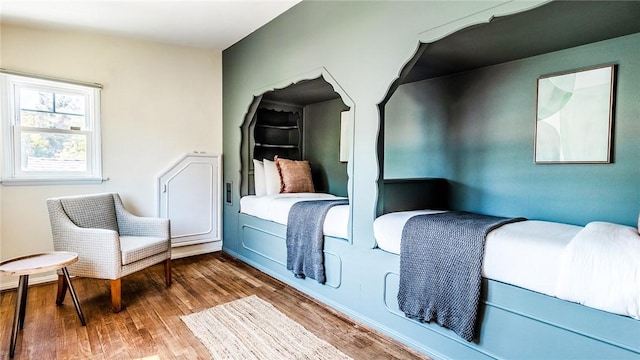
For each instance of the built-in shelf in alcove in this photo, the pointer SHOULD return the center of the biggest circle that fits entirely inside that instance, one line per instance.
(289, 127)
(277, 132)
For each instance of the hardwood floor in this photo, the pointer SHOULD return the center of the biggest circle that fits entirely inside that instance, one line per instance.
(150, 322)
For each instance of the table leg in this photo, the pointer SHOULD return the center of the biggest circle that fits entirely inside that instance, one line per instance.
(62, 289)
(73, 296)
(23, 283)
(23, 303)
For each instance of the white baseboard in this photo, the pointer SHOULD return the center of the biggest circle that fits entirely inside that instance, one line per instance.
(10, 282)
(178, 252)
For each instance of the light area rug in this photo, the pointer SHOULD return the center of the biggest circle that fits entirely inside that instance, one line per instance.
(251, 328)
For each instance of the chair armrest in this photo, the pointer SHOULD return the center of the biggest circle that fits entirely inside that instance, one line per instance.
(132, 225)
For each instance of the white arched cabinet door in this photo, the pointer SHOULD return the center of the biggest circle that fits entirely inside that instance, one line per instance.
(190, 196)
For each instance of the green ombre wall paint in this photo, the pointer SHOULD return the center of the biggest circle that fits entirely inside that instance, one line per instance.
(322, 145)
(479, 134)
(477, 130)
(362, 46)
(486, 148)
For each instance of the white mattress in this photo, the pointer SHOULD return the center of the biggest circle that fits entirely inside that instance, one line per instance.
(526, 254)
(276, 208)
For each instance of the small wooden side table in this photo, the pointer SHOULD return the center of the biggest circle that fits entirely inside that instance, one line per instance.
(24, 266)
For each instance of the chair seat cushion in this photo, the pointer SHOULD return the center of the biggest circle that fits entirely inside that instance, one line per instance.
(136, 248)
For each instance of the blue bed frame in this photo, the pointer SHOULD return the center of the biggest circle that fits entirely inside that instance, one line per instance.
(515, 323)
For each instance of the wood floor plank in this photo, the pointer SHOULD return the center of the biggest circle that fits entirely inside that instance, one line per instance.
(150, 325)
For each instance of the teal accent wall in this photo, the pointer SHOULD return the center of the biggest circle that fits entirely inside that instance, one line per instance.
(477, 130)
(363, 46)
(322, 146)
(416, 128)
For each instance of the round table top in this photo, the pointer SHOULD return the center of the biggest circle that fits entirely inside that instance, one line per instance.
(37, 263)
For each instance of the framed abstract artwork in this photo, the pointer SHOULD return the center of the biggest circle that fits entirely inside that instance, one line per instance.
(574, 116)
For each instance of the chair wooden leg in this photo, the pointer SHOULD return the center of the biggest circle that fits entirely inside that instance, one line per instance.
(116, 295)
(167, 271)
(62, 290)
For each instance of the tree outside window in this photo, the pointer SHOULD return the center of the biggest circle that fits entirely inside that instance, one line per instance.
(53, 127)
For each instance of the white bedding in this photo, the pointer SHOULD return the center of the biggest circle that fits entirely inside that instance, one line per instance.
(276, 208)
(601, 268)
(525, 254)
(597, 266)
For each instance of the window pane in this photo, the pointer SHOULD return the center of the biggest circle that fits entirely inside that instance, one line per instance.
(54, 130)
(36, 100)
(70, 104)
(44, 152)
(51, 120)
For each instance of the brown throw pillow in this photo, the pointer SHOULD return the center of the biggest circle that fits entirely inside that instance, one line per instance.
(295, 176)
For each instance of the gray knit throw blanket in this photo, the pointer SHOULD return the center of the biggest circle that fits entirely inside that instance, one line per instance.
(440, 268)
(305, 238)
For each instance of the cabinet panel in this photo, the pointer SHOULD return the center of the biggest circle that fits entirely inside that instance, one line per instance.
(190, 196)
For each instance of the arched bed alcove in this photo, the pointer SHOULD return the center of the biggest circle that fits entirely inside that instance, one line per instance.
(463, 109)
(300, 121)
(457, 132)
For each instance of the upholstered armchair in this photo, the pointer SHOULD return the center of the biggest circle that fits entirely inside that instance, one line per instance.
(110, 242)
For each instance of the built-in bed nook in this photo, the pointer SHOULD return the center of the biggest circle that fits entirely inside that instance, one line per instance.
(554, 284)
(291, 153)
(458, 135)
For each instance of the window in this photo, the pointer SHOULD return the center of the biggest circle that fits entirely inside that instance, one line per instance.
(51, 131)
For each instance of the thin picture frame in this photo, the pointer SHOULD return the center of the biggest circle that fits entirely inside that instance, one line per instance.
(574, 116)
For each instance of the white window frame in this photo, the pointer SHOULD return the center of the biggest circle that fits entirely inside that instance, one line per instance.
(11, 132)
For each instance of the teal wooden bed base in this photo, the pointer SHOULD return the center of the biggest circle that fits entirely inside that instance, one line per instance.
(515, 323)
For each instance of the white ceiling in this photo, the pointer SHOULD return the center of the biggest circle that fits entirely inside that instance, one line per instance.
(215, 24)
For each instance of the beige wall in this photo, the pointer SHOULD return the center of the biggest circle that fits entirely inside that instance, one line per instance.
(159, 102)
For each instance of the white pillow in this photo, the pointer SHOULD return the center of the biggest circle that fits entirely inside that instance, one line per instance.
(600, 268)
(258, 178)
(271, 177)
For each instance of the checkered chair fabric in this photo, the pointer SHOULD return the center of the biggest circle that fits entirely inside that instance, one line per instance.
(110, 241)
